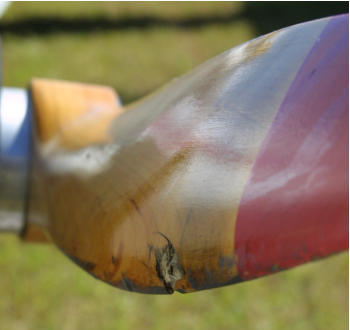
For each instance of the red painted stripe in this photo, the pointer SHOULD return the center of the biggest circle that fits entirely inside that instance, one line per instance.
(295, 205)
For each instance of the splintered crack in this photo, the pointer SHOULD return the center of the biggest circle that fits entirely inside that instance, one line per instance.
(167, 265)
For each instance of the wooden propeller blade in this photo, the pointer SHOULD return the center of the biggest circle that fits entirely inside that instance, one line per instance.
(233, 171)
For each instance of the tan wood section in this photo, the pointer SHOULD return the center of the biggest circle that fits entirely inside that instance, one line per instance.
(126, 220)
(67, 115)
(73, 115)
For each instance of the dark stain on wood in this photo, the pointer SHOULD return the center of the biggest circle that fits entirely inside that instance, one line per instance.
(116, 260)
(127, 283)
(209, 276)
(227, 262)
(191, 280)
(133, 202)
(150, 250)
(187, 221)
(168, 267)
(86, 265)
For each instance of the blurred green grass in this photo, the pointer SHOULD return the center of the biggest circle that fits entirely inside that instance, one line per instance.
(122, 9)
(133, 61)
(41, 288)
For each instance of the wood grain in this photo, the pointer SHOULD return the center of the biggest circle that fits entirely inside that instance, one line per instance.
(146, 198)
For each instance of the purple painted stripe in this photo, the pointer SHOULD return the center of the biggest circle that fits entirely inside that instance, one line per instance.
(295, 205)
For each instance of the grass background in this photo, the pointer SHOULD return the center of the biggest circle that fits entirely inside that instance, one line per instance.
(135, 48)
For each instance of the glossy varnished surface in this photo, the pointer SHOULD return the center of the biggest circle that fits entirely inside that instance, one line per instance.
(295, 205)
(154, 210)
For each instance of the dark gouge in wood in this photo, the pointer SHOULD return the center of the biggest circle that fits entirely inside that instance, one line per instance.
(234, 171)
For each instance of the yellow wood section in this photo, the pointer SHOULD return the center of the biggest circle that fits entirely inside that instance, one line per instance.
(129, 226)
(37, 212)
(68, 116)
(73, 115)
(129, 223)
(35, 233)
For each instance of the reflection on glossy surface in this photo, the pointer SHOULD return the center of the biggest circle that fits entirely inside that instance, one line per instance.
(14, 157)
(155, 209)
